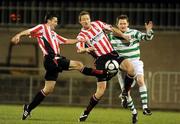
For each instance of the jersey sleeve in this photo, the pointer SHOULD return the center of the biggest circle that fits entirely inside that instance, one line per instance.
(104, 25)
(36, 31)
(144, 36)
(80, 45)
(82, 37)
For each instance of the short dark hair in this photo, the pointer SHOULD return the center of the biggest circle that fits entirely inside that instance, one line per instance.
(49, 16)
(83, 13)
(122, 17)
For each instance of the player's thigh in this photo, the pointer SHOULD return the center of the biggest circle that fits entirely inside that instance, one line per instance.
(49, 86)
(101, 86)
(127, 66)
(75, 65)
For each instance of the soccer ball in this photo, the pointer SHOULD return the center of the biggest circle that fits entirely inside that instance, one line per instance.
(112, 66)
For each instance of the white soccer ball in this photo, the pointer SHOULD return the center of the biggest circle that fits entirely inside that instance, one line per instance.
(112, 65)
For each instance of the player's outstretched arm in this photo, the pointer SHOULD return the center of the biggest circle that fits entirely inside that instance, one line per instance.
(118, 33)
(16, 38)
(85, 50)
(71, 41)
(149, 32)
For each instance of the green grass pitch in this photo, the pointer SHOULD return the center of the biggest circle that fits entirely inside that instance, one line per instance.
(11, 114)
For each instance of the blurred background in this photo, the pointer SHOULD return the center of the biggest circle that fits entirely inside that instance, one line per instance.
(21, 66)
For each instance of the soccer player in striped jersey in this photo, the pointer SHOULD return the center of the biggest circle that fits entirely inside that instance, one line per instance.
(131, 50)
(98, 45)
(54, 63)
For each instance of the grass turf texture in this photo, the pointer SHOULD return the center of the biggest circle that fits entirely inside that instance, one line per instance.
(11, 114)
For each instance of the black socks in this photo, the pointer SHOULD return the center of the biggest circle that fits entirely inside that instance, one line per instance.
(37, 100)
(92, 103)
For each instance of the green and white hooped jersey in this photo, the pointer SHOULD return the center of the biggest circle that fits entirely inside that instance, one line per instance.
(130, 50)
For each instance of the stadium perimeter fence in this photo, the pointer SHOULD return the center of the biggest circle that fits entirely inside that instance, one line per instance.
(18, 87)
(165, 15)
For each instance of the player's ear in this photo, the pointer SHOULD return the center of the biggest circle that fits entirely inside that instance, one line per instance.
(80, 22)
(127, 23)
(79, 19)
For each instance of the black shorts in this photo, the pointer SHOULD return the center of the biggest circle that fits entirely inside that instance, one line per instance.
(101, 61)
(54, 66)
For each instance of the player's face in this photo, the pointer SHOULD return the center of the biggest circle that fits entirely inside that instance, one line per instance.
(123, 25)
(53, 23)
(85, 21)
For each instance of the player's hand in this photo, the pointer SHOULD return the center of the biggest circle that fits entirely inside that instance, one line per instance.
(81, 40)
(149, 26)
(90, 49)
(127, 37)
(15, 39)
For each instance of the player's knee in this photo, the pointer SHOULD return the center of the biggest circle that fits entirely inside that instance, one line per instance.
(140, 80)
(100, 92)
(130, 69)
(140, 83)
(79, 65)
(48, 90)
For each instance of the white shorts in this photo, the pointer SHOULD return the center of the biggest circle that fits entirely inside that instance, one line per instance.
(138, 68)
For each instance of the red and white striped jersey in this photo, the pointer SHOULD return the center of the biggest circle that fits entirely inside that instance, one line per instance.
(43, 32)
(95, 37)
